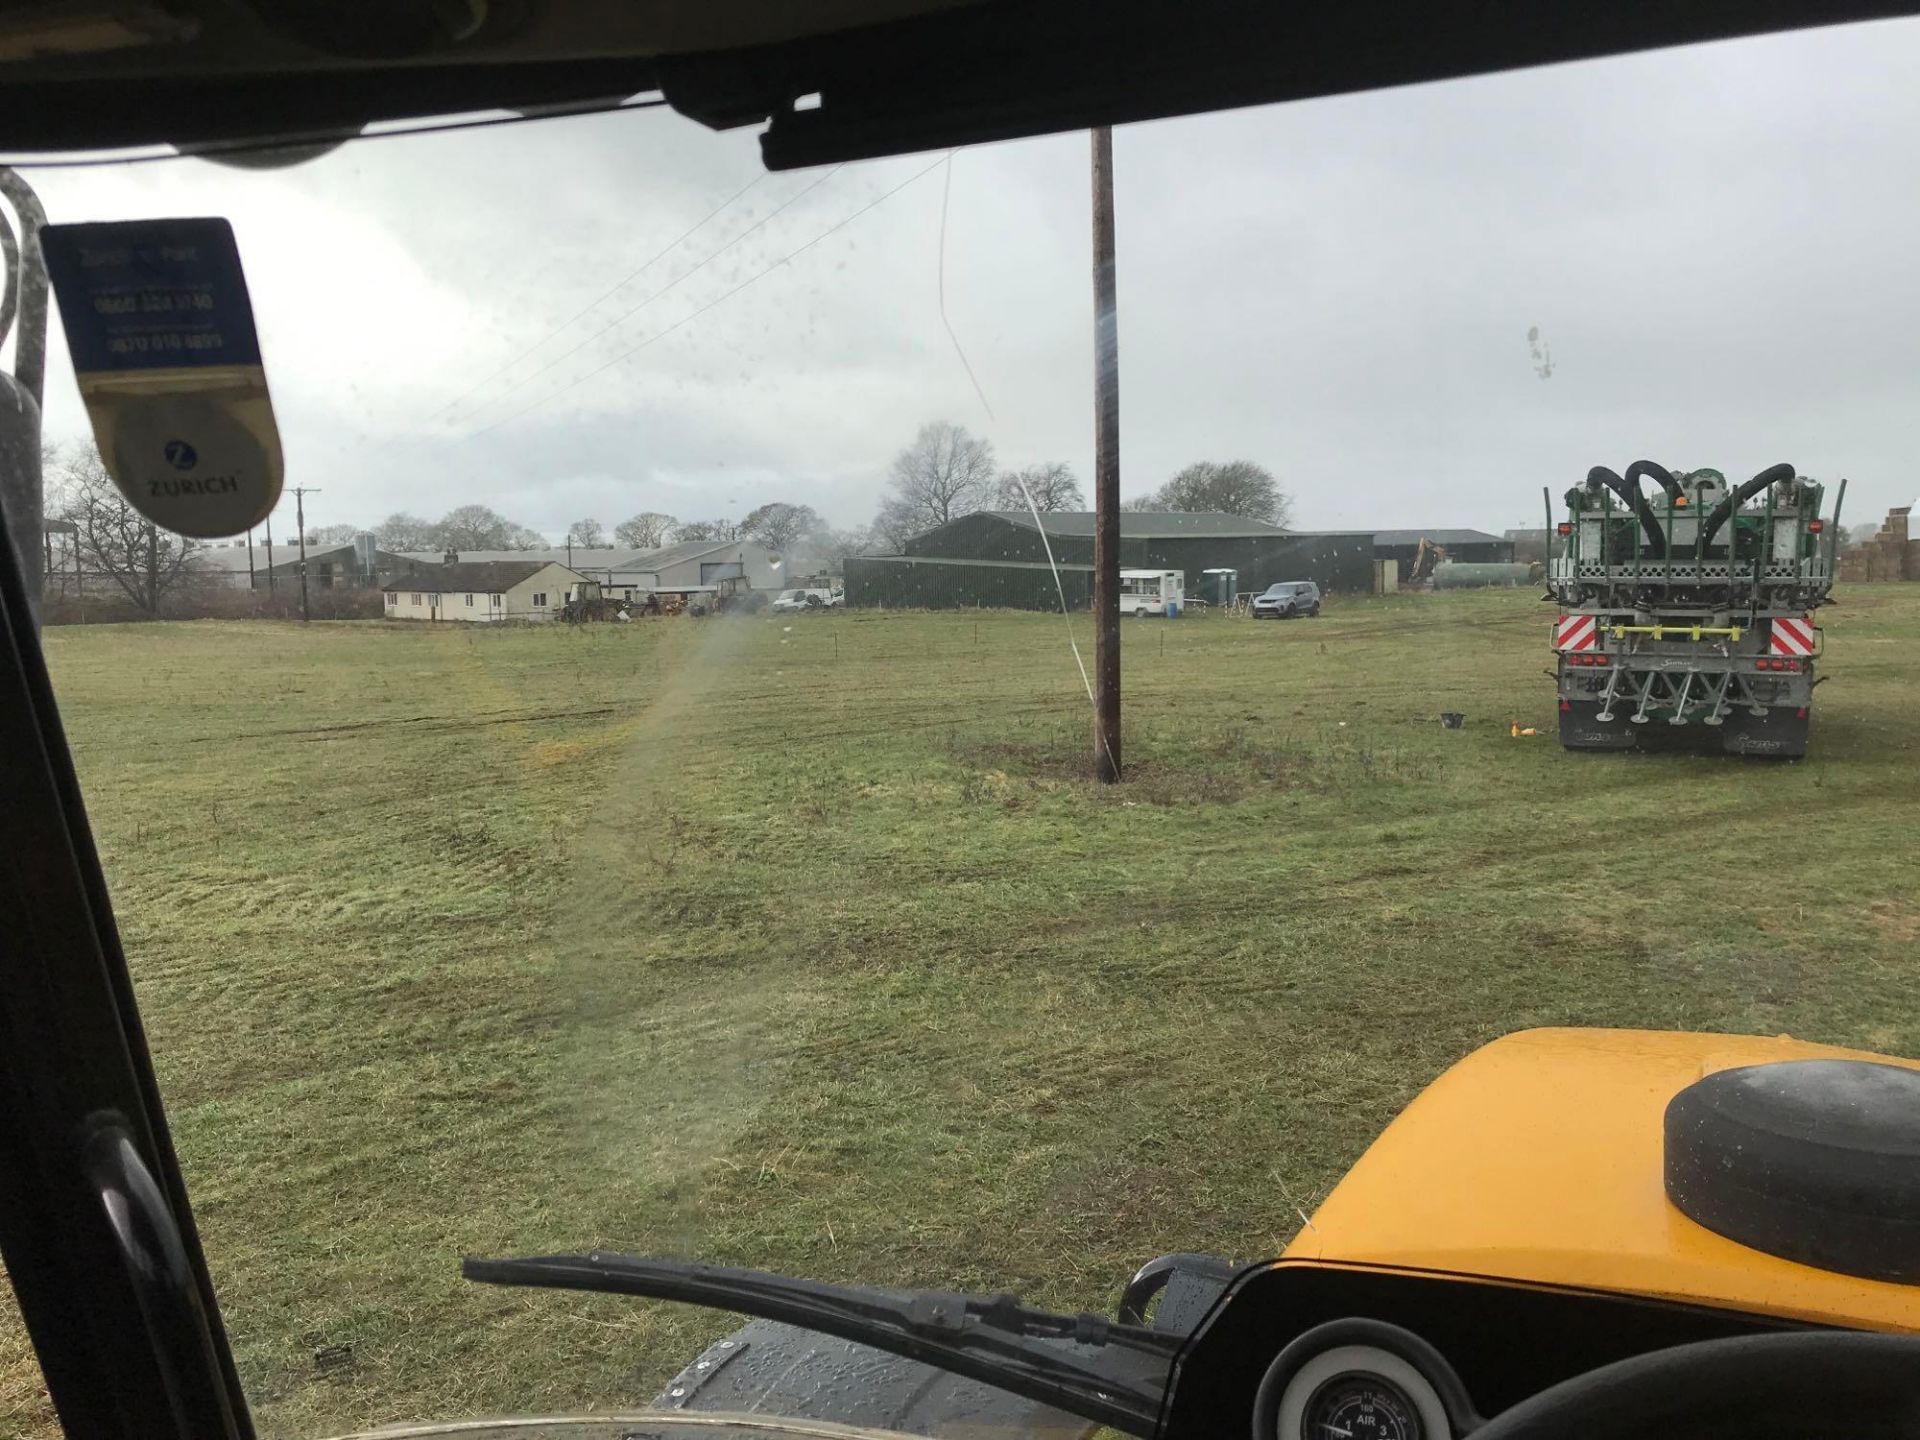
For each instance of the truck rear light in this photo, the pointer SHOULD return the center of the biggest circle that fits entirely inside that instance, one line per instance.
(1564, 528)
(1793, 665)
(1566, 705)
(1801, 713)
(1600, 660)
(1814, 527)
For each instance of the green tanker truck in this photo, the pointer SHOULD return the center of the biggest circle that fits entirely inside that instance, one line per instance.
(1686, 608)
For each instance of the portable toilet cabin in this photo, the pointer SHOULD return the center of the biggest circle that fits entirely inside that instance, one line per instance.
(1217, 587)
(1152, 592)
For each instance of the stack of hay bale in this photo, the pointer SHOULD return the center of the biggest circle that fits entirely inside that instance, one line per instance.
(1889, 555)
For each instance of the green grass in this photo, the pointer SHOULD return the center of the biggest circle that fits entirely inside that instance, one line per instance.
(808, 944)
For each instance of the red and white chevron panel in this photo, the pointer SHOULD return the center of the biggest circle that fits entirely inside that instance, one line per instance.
(1792, 637)
(1577, 632)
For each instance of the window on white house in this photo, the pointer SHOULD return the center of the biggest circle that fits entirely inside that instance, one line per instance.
(539, 598)
(469, 599)
(416, 599)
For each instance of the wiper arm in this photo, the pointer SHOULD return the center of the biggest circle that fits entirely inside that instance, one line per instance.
(1084, 1364)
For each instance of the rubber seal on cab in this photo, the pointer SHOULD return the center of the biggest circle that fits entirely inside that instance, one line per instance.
(1816, 1161)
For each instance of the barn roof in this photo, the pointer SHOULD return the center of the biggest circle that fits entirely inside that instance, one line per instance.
(1438, 537)
(1147, 524)
(491, 577)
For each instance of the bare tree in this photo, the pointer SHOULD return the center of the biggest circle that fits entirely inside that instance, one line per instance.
(827, 549)
(648, 530)
(779, 526)
(1053, 487)
(944, 474)
(709, 530)
(475, 527)
(1234, 487)
(896, 524)
(401, 531)
(114, 541)
(332, 535)
(588, 534)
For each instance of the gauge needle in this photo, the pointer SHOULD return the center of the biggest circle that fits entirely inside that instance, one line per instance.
(1329, 1425)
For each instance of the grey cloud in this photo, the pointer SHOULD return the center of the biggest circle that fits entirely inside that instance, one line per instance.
(1715, 243)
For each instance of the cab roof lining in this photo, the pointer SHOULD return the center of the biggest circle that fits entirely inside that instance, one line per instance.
(891, 76)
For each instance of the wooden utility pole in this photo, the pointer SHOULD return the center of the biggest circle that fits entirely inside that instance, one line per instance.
(300, 519)
(1106, 471)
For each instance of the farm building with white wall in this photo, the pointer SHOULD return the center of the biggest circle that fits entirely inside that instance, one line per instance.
(691, 565)
(481, 591)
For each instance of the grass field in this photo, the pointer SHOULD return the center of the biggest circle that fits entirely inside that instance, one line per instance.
(807, 944)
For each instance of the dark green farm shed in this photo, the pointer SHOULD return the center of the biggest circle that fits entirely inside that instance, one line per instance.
(929, 582)
(987, 558)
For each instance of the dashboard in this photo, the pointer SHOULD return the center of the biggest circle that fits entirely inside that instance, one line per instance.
(1309, 1351)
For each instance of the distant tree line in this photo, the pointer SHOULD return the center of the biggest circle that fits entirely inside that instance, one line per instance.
(466, 527)
(787, 528)
(948, 472)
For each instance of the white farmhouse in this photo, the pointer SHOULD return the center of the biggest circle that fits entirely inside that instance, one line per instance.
(480, 591)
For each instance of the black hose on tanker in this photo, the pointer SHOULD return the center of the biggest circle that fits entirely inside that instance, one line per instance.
(1660, 473)
(1600, 475)
(1723, 512)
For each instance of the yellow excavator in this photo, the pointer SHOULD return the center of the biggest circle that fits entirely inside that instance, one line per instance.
(1425, 558)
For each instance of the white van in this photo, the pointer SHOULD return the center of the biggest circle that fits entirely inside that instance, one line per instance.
(1152, 592)
(807, 598)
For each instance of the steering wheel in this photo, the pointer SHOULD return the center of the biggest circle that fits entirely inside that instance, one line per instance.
(1803, 1385)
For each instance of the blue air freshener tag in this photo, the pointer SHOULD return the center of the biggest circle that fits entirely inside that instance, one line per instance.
(160, 327)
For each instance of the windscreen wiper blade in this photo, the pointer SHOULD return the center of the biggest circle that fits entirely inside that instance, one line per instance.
(1087, 1365)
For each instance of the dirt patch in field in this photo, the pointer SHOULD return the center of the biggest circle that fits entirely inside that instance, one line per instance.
(1214, 770)
(1896, 919)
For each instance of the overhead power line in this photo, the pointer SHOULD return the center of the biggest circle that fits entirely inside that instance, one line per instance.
(604, 296)
(946, 191)
(720, 299)
(667, 288)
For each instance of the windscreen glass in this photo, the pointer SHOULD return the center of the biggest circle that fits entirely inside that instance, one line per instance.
(501, 873)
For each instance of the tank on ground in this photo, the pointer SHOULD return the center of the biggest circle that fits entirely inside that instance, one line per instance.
(1460, 575)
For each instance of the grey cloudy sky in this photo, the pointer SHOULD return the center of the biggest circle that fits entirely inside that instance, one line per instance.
(1716, 245)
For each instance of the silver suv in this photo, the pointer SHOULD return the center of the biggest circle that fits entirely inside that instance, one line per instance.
(1285, 599)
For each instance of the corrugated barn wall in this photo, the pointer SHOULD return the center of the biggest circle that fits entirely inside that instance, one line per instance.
(906, 582)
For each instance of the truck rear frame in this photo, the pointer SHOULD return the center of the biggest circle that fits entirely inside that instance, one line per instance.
(1694, 609)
